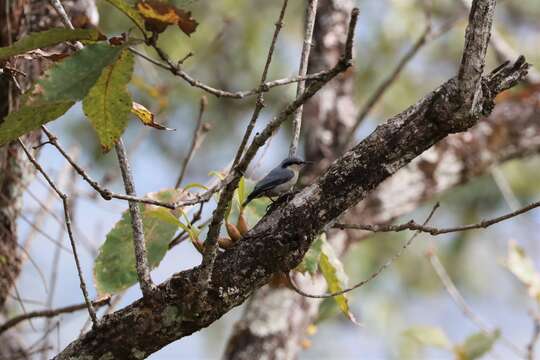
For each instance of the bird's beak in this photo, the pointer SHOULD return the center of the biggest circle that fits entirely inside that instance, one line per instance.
(307, 163)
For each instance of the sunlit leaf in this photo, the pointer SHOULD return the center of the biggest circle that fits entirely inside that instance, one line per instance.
(48, 38)
(195, 185)
(146, 116)
(522, 266)
(333, 272)
(220, 175)
(241, 191)
(72, 78)
(129, 11)
(108, 103)
(158, 15)
(476, 345)
(428, 336)
(29, 118)
(114, 267)
(310, 262)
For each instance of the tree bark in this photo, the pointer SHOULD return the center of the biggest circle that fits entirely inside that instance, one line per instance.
(18, 18)
(281, 238)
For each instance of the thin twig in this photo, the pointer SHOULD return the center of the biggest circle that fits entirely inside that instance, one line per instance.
(56, 257)
(183, 235)
(108, 194)
(311, 13)
(265, 87)
(67, 220)
(259, 104)
(49, 313)
(534, 338)
(385, 85)
(396, 256)
(195, 140)
(460, 302)
(141, 259)
(412, 225)
(57, 5)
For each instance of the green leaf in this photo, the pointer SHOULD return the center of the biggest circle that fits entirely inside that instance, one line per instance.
(114, 267)
(29, 118)
(310, 262)
(522, 266)
(334, 274)
(71, 79)
(428, 336)
(48, 38)
(241, 191)
(195, 185)
(108, 104)
(476, 345)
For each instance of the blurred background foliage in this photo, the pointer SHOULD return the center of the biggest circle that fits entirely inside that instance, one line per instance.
(229, 49)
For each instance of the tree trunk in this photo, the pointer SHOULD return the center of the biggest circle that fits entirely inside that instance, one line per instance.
(18, 18)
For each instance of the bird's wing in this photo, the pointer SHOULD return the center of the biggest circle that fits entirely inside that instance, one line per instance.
(274, 178)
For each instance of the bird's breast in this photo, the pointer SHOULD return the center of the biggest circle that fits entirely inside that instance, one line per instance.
(283, 188)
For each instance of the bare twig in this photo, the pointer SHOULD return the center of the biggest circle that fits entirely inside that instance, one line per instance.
(311, 12)
(265, 87)
(59, 8)
(373, 275)
(196, 140)
(412, 225)
(49, 313)
(259, 104)
(56, 258)
(383, 87)
(183, 235)
(141, 260)
(108, 194)
(534, 338)
(460, 302)
(67, 219)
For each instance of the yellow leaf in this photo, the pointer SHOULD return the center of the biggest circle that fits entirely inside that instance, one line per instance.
(147, 117)
(158, 15)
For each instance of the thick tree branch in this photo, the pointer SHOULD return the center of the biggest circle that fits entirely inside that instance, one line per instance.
(474, 54)
(278, 242)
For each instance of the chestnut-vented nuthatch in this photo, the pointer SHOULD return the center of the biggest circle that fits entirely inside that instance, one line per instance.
(278, 181)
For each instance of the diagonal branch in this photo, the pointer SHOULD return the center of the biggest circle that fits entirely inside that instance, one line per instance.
(278, 242)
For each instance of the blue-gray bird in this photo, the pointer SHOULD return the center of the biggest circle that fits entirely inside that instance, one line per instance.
(278, 181)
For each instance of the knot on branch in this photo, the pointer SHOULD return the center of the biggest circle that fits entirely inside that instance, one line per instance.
(449, 112)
